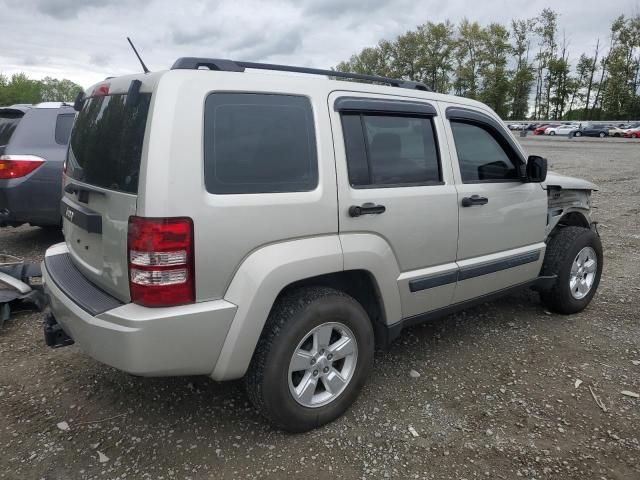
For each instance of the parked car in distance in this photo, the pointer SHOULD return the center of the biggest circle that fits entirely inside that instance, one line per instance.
(592, 131)
(174, 180)
(31, 165)
(540, 130)
(560, 130)
(632, 133)
(615, 131)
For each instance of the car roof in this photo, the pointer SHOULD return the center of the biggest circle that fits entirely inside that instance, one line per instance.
(16, 108)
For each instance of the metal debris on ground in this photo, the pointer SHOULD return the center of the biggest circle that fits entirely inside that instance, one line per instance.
(599, 402)
(630, 394)
(19, 283)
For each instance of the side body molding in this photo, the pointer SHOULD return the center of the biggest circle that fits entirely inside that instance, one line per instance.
(257, 283)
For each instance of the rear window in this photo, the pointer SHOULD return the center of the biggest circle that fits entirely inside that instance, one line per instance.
(64, 123)
(106, 142)
(8, 123)
(259, 143)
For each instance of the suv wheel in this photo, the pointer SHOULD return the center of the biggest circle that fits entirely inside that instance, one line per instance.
(574, 254)
(312, 359)
(578, 134)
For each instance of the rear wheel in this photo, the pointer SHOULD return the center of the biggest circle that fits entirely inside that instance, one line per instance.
(602, 134)
(312, 359)
(578, 134)
(574, 256)
(552, 133)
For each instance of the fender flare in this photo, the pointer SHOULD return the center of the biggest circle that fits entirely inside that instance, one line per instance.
(267, 271)
(256, 285)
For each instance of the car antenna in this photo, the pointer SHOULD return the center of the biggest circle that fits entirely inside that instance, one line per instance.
(144, 67)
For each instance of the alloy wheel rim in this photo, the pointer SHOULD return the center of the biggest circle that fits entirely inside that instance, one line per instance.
(583, 273)
(323, 364)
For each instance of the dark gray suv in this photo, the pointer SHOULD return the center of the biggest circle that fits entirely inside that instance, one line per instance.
(33, 147)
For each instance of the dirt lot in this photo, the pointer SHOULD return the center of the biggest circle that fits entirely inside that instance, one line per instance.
(495, 398)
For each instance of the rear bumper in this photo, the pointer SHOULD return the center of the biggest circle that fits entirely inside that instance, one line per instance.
(184, 340)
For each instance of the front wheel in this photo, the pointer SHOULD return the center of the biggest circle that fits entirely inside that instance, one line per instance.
(312, 359)
(578, 134)
(574, 256)
(602, 134)
(552, 133)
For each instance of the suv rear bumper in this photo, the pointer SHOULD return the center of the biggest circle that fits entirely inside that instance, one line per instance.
(184, 340)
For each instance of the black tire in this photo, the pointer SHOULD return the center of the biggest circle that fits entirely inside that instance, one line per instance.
(602, 134)
(552, 133)
(562, 249)
(578, 134)
(293, 316)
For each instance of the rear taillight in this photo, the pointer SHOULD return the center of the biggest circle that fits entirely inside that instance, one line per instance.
(16, 166)
(160, 253)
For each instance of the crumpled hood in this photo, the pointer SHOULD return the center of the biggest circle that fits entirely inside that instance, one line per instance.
(567, 183)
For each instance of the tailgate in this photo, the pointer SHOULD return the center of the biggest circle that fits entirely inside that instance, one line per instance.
(101, 186)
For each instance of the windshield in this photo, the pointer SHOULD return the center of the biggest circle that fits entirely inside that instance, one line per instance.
(106, 142)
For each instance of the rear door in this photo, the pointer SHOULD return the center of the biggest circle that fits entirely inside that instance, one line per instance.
(502, 219)
(394, 184)
(101, 186)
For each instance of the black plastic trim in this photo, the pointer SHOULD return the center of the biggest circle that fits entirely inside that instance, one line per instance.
(433, 281)
(194, 63)
(83, 217)
(373, 105)
(511, 262)
(466, 273)
(76, 286)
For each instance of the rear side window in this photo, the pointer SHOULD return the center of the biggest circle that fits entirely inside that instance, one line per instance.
(8, 123)
(390, 150)
(64, 123)
(106, 142)
(480, 155)
(258, 143)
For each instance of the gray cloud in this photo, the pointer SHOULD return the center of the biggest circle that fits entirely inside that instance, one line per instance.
(66, 9)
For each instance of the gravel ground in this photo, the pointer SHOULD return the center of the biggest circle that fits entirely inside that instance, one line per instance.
(495, 398)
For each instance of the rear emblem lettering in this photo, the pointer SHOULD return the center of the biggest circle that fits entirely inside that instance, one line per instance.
(69, 214)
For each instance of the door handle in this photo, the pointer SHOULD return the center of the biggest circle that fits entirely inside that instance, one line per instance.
(474, 200)
(366, 209)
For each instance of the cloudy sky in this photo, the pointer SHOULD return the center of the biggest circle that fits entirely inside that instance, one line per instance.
(84, 40)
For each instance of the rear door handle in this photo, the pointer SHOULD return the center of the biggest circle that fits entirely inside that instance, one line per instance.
(474, 200)
(366, 209)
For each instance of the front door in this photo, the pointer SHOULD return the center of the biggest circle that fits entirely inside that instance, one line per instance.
(502, 218)
(392, 187)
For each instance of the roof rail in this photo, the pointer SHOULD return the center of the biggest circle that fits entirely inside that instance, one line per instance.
(194, 63)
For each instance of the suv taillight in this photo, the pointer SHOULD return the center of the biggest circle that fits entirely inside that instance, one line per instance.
(160, 253)
(16, 166)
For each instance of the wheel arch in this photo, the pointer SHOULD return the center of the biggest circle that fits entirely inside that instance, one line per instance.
(274, 269)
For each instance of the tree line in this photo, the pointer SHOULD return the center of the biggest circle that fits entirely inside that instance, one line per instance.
(21, 89)
(523, 70)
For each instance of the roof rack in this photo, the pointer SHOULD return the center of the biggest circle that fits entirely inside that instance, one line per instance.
(195, 63)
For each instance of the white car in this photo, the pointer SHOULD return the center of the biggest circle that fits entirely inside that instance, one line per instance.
(561, 130)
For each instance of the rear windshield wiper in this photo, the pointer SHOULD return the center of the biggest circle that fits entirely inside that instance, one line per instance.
(82, 191)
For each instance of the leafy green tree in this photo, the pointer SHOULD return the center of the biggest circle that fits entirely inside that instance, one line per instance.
(19, 89)
(523, 75)
(468, 48)
(55, 90)
(493, 68)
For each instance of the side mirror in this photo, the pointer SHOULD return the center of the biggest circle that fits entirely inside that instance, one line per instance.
(536, 169)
